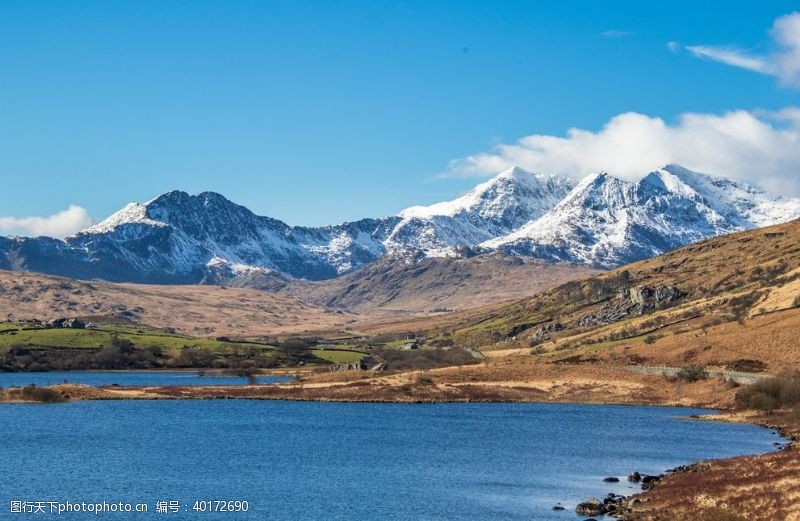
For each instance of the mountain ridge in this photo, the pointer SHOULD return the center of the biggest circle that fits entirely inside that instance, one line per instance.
(600, 222)
(607, 222)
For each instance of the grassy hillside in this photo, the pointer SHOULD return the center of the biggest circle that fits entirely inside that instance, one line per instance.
(719, 301)
(27, 347)
(15, 334)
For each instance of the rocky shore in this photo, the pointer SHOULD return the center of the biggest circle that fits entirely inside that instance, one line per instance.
(762, 487)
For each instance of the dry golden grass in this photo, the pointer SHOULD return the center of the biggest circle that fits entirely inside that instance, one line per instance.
(196, 310)
(758, 488)
(436, 284)
(772, 339)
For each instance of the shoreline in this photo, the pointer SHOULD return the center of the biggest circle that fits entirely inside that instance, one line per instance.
(676, 489)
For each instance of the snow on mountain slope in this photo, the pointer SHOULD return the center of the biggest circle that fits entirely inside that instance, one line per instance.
(182, 237)
(738, 202)
(514, 190)
(196, 237)
(600, 221)
(607, 222)
(130, 213)
(491, 209)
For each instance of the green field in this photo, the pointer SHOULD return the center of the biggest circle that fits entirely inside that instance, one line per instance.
(338, 357)
(397, 344)
(170, 344)
(14, 335)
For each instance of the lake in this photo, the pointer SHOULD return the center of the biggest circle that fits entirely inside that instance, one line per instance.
(339, 461)
(130, 378)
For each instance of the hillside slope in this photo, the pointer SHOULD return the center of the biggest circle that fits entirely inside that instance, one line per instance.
(196, 310)
(429, 284)
(714, 302)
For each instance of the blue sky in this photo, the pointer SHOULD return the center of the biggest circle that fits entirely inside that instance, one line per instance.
(319, 112)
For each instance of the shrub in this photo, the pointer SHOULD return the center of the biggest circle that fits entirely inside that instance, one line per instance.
(730, 383)
(747, 365)
(423, 359)
(767, 395)
(424, 379)
(763, 402)
(693, 373)
(442, 342)
(741, 305)
(194, 357)
(42, 394)
(650, 339)
(124, 345)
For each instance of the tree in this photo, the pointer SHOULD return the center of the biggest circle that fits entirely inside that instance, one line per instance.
(124, 345)
(293, 349)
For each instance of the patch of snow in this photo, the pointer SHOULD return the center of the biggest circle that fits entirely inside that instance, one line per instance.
(130, 213)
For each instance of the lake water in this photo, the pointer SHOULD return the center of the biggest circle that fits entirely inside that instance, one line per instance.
(337, 461)
(130, 378)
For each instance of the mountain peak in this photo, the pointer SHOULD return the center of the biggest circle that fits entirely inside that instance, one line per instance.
(508, 188)
(178, 198)
(516, 172)
(670, 180)
(606, 221)
(597, 179)
(171, 197)
(131, 213)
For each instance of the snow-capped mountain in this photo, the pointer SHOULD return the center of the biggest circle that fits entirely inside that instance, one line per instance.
(208, 230)
(600, 221)
(492, 209)
(606, 222)
(180, 238)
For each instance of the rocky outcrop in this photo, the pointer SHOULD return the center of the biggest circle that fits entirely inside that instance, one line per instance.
(647, 298)
(647, 480)
(607, 314)
(359, 365)
(611, 504)
(543, 333)
(590, 508)
(633, 301)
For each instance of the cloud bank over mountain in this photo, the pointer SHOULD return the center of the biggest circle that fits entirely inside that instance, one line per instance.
(759, 147)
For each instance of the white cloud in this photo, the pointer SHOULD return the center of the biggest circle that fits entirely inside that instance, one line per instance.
(732, 56)
(61, 224)
(783, 62)
(759, 147)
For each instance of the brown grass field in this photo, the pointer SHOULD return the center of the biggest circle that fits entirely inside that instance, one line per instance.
(196, 310)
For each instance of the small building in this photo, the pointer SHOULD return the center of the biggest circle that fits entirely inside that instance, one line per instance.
(56, 322)
(74, 323)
